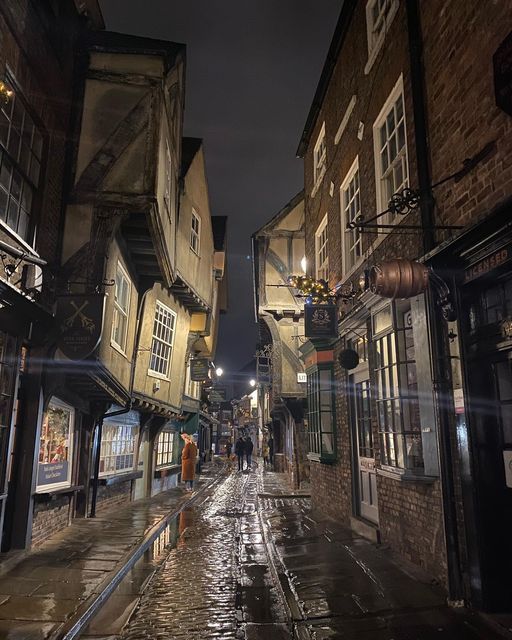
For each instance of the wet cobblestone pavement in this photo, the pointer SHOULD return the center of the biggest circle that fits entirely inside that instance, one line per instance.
(215, 583)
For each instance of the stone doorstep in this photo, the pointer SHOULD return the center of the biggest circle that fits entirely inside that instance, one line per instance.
(365, 529)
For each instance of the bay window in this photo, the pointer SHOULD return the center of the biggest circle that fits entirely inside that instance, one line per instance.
(117, 448)
(165, 449)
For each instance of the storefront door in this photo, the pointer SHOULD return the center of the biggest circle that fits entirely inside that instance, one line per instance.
(365, 480)
(489, 382)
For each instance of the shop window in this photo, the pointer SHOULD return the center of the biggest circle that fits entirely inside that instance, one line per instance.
(322, 257)
(319, 157)
(390, 145)
(321, 414)
(21, 151)
(360, 345)
(493, 305)
(117, 448)
(352, 249)
(195, 232)
(56, 446)
(397, 388)
(379, 15)
(121, 308)
(165, 449)
(163, 340)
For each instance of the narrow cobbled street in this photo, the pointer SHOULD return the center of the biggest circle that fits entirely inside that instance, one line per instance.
(215, 582)
(251, 561)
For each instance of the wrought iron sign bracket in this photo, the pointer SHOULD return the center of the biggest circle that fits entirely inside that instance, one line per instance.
(408, 200)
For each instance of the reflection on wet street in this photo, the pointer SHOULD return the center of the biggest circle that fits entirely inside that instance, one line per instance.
(215, 581)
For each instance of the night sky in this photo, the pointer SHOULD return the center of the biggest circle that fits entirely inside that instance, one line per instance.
(252, 70)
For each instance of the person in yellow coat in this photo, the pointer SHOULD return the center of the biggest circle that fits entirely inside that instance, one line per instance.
(188, 461)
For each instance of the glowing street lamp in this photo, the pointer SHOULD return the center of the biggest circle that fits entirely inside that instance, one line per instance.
(252, 382)
(219, 371)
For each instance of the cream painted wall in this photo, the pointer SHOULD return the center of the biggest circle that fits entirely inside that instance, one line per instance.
(171, 388)
(196, 270)
(117, 362)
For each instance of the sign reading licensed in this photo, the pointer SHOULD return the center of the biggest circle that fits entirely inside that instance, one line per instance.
(486, 265)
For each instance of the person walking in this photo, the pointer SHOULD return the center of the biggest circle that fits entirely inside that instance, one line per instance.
(249, 446)
(188, 461)
(265, 453)
(271, 450)
(240, 450)
(228, 448)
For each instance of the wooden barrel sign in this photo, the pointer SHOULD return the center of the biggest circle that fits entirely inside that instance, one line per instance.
(399, 278)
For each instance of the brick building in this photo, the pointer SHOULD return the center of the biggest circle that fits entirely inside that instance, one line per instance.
(403, 456)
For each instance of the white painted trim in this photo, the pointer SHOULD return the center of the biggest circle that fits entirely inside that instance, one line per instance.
(318, 178)
(373, 52)
(319, 230)
(345, 119)
(397, 90)
(113, 343)
(346, 181)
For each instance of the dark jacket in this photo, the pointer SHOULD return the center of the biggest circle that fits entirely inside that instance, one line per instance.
(249, 446)
(239, 447)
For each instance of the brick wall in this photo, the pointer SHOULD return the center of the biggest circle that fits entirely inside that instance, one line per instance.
(49, 518)
(115, 495)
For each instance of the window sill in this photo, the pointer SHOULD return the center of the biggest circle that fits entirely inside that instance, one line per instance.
(158, 376)
(170, 470)
(405, 476)
(119, 349)
(322, 459)
(119, 477)
(53, 494)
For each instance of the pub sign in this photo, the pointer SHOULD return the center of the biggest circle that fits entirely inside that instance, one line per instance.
(320, 320)
(80, 324)
(199, 369)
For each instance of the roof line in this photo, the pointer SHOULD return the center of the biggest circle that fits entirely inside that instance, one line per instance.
(332, 56)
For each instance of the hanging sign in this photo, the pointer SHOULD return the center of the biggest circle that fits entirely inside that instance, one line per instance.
(320, 320)
(80, 323)
(502, 64)
(199, 369)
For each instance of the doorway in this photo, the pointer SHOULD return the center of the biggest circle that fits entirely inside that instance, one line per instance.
(364, 477)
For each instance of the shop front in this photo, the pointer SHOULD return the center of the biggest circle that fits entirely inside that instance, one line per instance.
(481, 275)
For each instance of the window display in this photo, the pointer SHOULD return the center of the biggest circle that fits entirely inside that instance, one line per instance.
(55, 446)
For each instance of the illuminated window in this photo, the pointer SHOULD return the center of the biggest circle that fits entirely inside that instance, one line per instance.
(56, 446)
(322, 257)
(117, 448)
(397, 387)
(163, 340)
(391, 150)
(321, 417)
(121, 308)
(21, 150)
(165, 449)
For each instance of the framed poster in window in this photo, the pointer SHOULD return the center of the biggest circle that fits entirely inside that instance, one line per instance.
(56, 447)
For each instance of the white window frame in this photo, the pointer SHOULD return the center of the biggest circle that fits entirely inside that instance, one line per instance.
(319, 161)
(375, 42)
(118, 309)
(350, 238)
(162, 449)
(59, 404)
(195, 234)
(158, 339)
(383, 199)
(117, 447)
(321, 248)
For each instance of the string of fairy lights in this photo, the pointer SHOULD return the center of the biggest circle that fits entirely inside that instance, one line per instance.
(313, 291)
(6, 92)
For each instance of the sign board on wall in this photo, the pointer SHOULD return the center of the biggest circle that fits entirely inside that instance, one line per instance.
(80, 322)
(199, 369)
(320, 320)
(302, 377)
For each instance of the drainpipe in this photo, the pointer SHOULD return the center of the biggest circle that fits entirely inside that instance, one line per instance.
(441, 380)
(95, 480)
